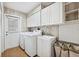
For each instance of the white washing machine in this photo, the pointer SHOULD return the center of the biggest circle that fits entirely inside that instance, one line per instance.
(23, 36)
(22, 39)
(44, 46)
(28, 42)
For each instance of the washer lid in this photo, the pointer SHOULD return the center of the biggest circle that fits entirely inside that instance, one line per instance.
(47, 37)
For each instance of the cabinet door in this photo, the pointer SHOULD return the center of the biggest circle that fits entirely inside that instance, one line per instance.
(29, 21)
(45, 16)
(32, 21)
(36, 19)
(56, 10)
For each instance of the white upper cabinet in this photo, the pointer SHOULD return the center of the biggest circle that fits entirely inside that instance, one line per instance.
(34, 20)
(29, 21)
(45, 16)
(53, 14)
(56, 13)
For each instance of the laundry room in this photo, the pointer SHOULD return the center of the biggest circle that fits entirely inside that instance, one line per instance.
(39, 29)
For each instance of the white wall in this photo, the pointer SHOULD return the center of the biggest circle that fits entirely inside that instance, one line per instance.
(69, 32)
(0, 29)
(22, 15)
(49, 30)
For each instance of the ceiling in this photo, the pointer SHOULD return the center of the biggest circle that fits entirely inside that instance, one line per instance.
(45, 4)
(24, 7)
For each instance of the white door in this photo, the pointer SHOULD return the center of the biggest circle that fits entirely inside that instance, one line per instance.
(11, 32)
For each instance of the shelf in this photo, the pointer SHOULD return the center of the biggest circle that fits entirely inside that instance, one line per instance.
(72, 6)
(72, 22)
(71, 11)
(67, 3)
(72, 16)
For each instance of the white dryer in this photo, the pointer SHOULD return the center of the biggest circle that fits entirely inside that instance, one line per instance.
(30, 45)
(44, 46)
